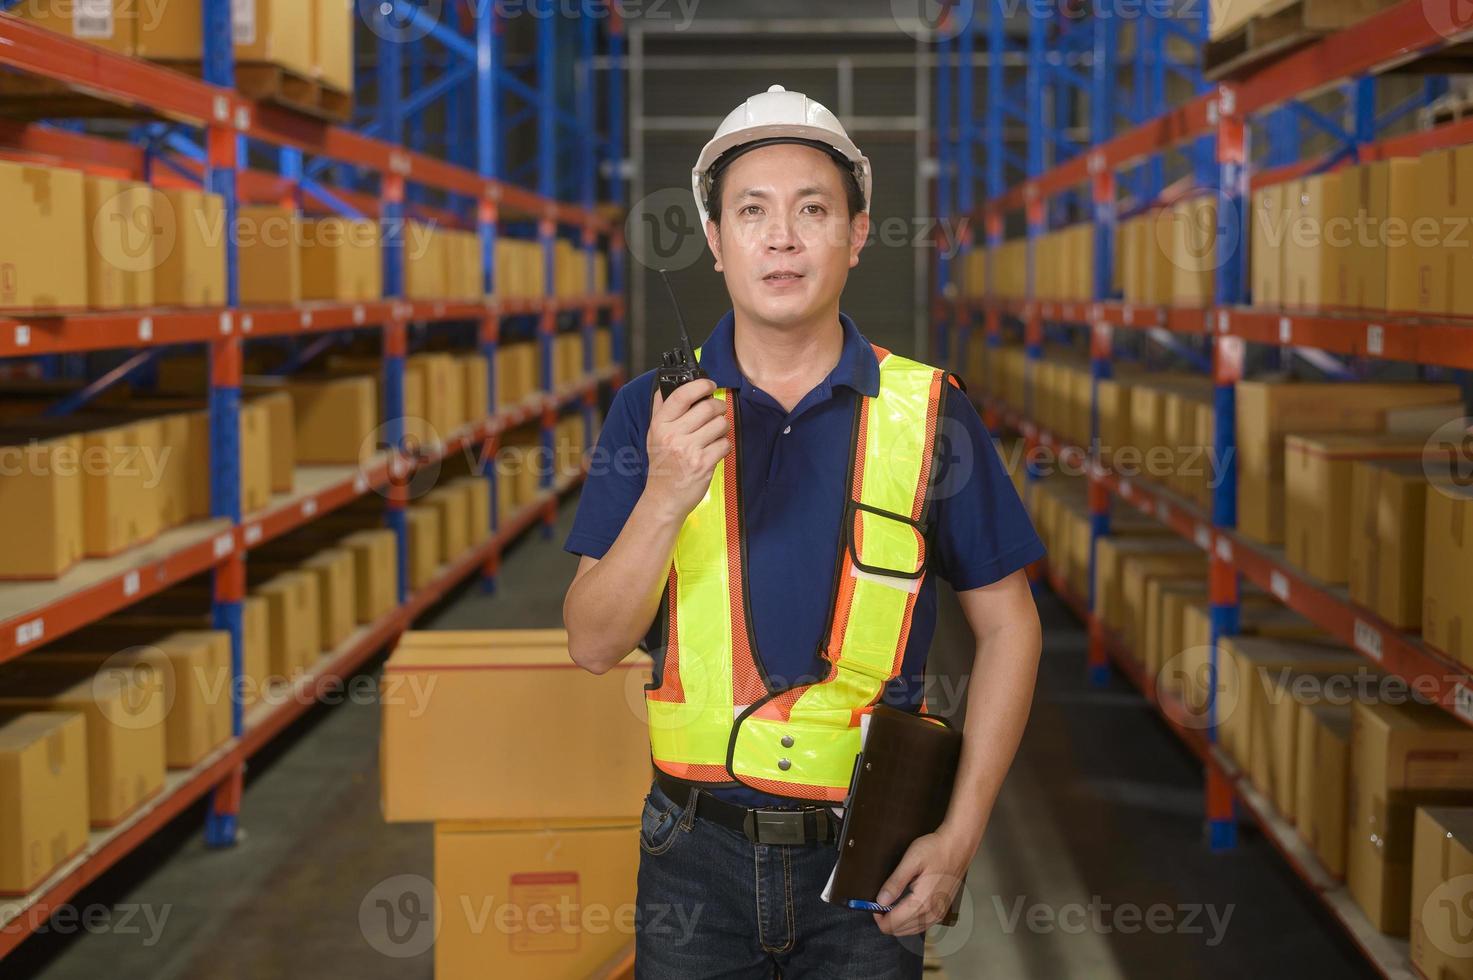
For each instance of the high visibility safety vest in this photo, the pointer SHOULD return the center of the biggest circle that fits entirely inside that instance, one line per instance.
(713, 717)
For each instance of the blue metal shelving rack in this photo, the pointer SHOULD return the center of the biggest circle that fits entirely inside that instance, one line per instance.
(390, 167)
(1130, 136)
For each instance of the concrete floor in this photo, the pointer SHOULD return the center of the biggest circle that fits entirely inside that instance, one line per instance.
(1099, 822)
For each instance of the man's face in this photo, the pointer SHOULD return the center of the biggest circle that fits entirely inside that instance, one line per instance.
(785, 243)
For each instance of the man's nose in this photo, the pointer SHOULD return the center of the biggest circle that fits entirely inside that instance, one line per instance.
(780, 236)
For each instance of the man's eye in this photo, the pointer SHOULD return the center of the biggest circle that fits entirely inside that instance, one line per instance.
(813, 208)
(749, 209)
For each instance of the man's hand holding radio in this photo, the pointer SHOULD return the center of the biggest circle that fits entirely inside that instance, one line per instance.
(687, 438)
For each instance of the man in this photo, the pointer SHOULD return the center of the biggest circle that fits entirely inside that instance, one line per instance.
(783, 518)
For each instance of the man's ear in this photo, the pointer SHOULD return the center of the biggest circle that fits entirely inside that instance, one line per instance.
(713, 241)
(858, 235)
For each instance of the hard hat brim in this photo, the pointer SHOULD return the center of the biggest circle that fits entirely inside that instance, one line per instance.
(720, 152)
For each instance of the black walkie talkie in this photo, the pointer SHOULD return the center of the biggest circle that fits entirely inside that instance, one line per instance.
(679, 365)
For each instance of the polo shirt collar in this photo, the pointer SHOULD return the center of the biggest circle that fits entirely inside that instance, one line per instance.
(857, 368)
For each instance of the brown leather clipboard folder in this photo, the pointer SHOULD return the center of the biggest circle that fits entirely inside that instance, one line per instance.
(899, 791)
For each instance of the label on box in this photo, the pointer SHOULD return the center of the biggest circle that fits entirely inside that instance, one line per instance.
(93, 19)
(243, 21)
(543, 896)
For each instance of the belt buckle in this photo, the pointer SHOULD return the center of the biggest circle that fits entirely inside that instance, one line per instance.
(776, 826)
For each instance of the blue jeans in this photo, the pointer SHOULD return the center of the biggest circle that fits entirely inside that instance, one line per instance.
(713, 904)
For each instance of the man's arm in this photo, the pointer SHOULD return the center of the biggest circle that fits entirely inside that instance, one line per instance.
(613, 600)
(999, 694)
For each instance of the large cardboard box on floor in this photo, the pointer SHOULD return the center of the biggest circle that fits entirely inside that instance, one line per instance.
(124, 715)
(1322, 781)
(342, 260)
(1317, 495)
(1447, 569)
(194, 667)
(1403, 756)
(43, 251)
(434, 705)
(532, 900)
(119, 224)
(269, 240)
(41, 507)
(375, 572)
(191, 247)
(43, 795)
(1442, 892)
(1267, 411)
(265, 31)
(1388, 515)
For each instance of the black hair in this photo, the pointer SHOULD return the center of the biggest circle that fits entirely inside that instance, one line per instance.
(853, 193)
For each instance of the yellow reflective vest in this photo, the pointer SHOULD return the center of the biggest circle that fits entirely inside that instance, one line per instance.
(712, 717)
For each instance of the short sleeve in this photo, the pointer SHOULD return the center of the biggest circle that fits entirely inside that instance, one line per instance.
(616, 471)
(982, 530)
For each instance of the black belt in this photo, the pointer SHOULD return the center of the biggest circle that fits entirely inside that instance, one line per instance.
(760, 825)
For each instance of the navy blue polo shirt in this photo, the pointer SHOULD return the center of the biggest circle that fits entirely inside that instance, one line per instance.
(794, 466)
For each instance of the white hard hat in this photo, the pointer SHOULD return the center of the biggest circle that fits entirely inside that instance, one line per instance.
(777, 116)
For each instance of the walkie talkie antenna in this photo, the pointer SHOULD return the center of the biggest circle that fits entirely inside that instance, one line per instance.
(690, 351)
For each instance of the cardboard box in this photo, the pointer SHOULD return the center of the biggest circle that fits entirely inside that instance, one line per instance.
(43, 251)
(426, 262)
(454, 521)
(124, 724)
(120, 507)
(435, 701)
(1271, 220)
(41, 507)
(1250, 664)
(281, 435)
(335, 420)
(1136, 572)
(1404, 226)
(476, 375)
(1388, 516)
(477, 490)
(1380, 198)
(119, 221)
(1260, 616)
(333, 26)
(193, 667)
(1442, 886)
(342, 258)
(171, 613)
(531, 901)
(508, 639)
(426, 544)
(1403, 756)
(1193, 250)
(1445, 206)
(442, 383)
(1110, 553)
(1322, 784)
(1311, 257)
(1317, 496)
(1166, 600)
(375, 573)
(1447, 570)
(269, 240)
(266, 31)
(109, 24)
(294, 609)
(43, 795)
(191, 246)
(334, 570)
(1267, 411)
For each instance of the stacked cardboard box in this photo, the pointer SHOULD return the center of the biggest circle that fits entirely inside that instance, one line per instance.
(342, 259)
(1447, 577)
(1442, 885)
(44, 806)
(44, 248)
(538, 826)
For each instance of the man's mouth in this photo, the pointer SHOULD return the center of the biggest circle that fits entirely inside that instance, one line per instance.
(779, 276)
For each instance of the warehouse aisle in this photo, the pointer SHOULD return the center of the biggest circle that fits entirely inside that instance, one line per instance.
(1098, 824)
